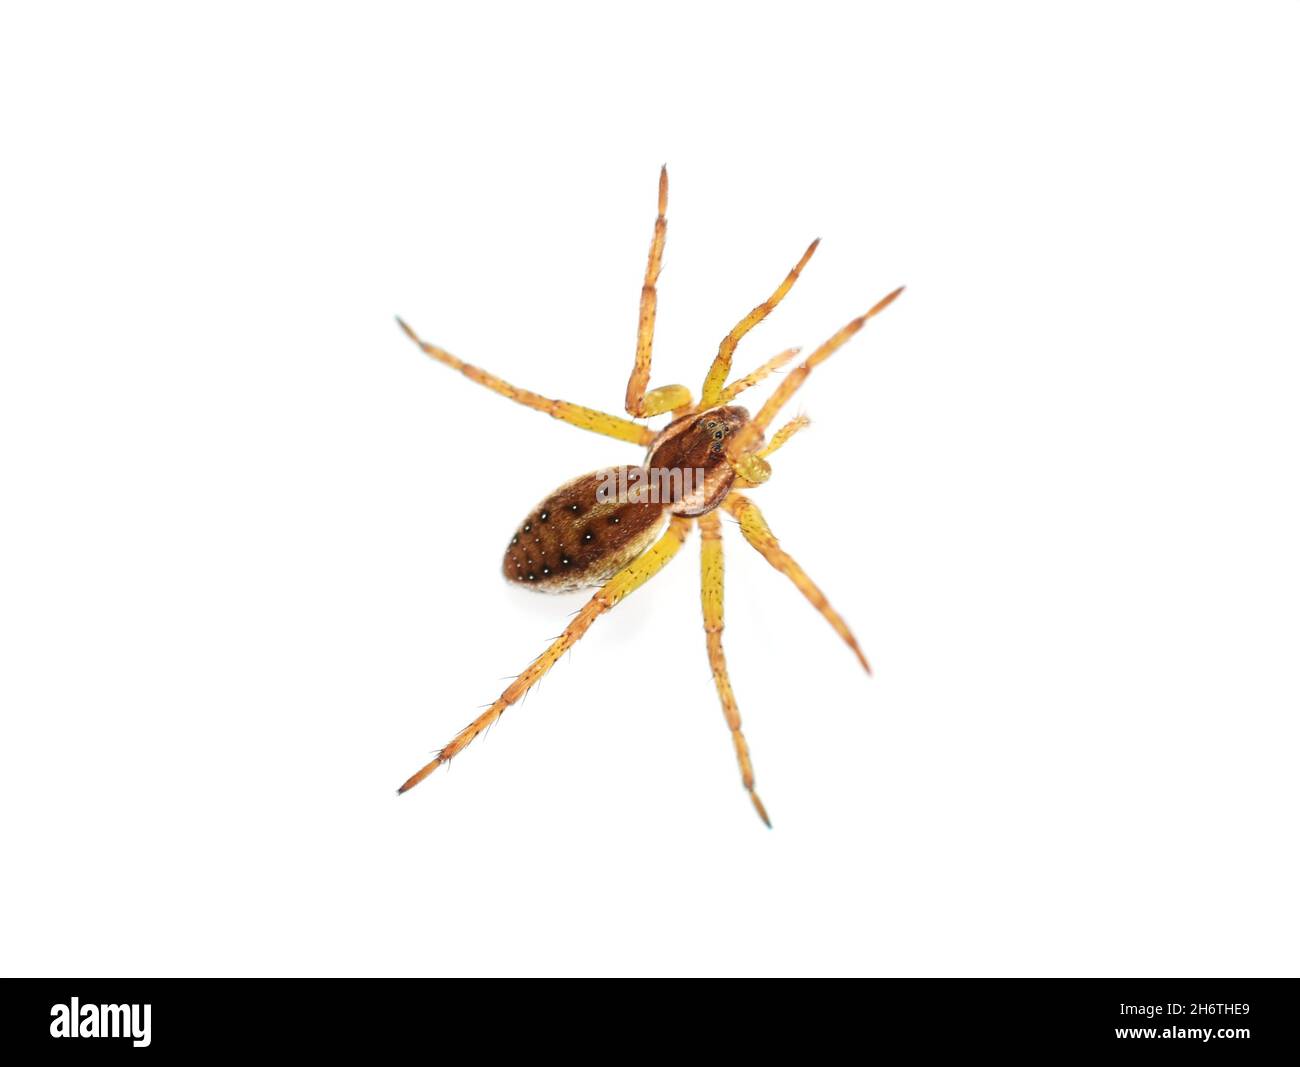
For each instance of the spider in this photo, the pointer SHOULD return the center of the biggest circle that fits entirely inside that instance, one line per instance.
(607, 528)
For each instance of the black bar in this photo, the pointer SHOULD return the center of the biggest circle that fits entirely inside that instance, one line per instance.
(1245, 1017)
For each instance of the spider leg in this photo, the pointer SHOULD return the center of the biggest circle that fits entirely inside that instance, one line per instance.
(640, 403)
(717, 376)
(745, 440)
(757, 533)
(799, 422)
(754, 377)
(711, 585)
(574, 414)
(634, 575)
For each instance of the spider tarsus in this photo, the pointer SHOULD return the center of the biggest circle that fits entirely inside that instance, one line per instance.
(423, 773)
(882, 304)
(762, 811)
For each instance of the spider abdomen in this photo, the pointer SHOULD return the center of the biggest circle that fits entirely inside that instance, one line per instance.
(584, 532)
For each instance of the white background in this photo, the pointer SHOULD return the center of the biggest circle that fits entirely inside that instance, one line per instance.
(252, 536)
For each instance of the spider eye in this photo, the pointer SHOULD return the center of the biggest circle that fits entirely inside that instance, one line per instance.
(718, 434)
(710, 424)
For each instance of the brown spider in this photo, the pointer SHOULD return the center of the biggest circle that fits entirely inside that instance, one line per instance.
(600, 529)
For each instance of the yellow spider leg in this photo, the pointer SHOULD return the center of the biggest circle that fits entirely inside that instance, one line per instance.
(757, 534)
(748, 436)
(711, 575)
(574, 414)
(741, 384)
(784, 434)
(721, 367)
(640, 403)
(634, 575)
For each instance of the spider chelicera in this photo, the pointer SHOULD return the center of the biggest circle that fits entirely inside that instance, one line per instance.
(606, 528)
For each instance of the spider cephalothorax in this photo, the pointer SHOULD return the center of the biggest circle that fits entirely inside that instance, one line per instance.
(606, 528)
(698, 443)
